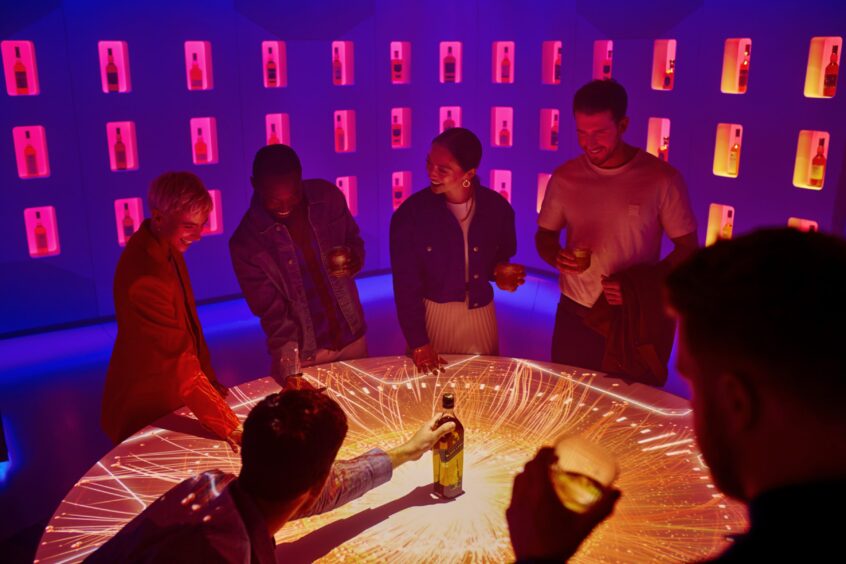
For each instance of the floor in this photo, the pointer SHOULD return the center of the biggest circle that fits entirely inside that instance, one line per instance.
(51, 386)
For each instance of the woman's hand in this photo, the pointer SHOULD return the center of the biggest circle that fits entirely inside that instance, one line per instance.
(509, 276)
(427, 360)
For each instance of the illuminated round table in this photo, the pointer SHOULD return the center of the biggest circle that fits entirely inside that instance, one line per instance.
(670, 510)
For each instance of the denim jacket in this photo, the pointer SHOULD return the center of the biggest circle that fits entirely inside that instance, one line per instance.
(427, 255)
(265, 263)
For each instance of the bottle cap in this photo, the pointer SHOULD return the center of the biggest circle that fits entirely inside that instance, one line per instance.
(449, 401)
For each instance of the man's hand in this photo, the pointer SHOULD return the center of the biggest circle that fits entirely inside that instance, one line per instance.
(298, 382)
(613, 291)
(234, 439)
(539, 524)
(343, 262)
(566, 263)
(421, 442)
(427, 360)
(509, 276)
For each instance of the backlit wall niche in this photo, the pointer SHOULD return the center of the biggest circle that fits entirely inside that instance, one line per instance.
(129, 213)
(811, 159)
(549, 129)
(214, 225)
(277, 129)
(348, 185)
(727, 149)
(803, 224)
(344, 121)
(720, 223)
(122, 145)
(114, 66)
(400, 53)
(502, 59)
(603, 59)
(31, 151)
(551, 61)
(664, 64)
(450, 58)
(400, 128)
(823, 67)
(400, 187)
(737, 58)
(502, 126)
(448, 117)
(274, 64)
(198, 65)
(204, 140)
(42, 231)
(343, 63)
(20, 68)
(543, 182)
(658, 138)
(501, 183)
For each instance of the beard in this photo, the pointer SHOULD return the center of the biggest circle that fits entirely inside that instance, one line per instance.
(719, 451)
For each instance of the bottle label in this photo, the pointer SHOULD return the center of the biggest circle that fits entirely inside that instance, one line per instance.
(453, 451)
(817, 172)
(830, 80)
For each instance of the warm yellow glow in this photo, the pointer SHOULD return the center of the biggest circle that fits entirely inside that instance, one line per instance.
(819, 57)
(807, 148)
(727, 148)
(720, 223)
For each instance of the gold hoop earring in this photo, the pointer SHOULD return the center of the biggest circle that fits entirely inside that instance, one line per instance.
(465, 183)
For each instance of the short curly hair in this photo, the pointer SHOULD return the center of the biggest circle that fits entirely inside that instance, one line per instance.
(178, 192)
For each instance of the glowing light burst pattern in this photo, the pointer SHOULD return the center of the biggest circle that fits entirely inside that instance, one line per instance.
(670, 510)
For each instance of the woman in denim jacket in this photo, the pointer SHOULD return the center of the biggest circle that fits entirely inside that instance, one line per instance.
(447, 243)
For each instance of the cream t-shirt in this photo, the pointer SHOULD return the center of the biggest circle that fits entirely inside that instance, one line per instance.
(620, 214)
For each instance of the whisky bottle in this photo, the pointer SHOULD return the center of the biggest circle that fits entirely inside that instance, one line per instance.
(831, 72)
(337, 68)
(340, 138)
(21, 83)
(448, 453)
(505, 67)
(30, 157)
(128, 222)
(664, 149)
(728, 226)
(734, 155)
(504, 135)
(606, 66)
(120, 152)
(195, 74)
(669, 75)
(818, 166)
(396, 132)
(111, 73)
(503, 191)
(273, 139)
(743, 74)
(449, 66)
(398, 193)
(556, 68)
(553, 132)
(270, 69)
(40, 233)
(200, 149)
(449, 123)
(396, 68)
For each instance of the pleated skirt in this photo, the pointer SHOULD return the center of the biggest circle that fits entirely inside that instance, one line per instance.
(454, 328)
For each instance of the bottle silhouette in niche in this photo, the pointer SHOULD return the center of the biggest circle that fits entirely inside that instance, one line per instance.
(449, 123)
(396, 67)
(734, 155)
(606, 66)
(669, 74)
(505, 67)
(831, 72)
(727, 227)
(201, 151)
(396, 132)
(553, 132)
(556, 72)
(664, 149)
(503, 191)
(340, 137)
(21, 82)
(120, 151)
(273, 139)
(30, 157)
(818, 166)
(40, 233)
(337, 69)
(111, 73)
(449, 66)
(743, 74)
(196, 74)
(270, 69)
(398, 192)
(504, 135)
(128, 222)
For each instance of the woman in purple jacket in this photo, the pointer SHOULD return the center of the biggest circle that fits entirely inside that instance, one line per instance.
(447, 243)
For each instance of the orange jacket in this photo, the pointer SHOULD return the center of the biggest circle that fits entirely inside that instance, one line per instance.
(159, 362)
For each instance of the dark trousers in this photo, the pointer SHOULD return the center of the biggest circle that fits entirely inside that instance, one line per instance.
(572, 342)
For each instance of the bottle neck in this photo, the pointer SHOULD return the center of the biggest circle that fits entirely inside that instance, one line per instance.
(449, 412)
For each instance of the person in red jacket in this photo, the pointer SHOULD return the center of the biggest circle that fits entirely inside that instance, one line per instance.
(160, 360)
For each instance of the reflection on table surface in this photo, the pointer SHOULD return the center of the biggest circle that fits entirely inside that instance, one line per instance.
(670, 510)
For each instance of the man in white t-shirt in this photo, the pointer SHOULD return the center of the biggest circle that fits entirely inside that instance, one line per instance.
(615, 201)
